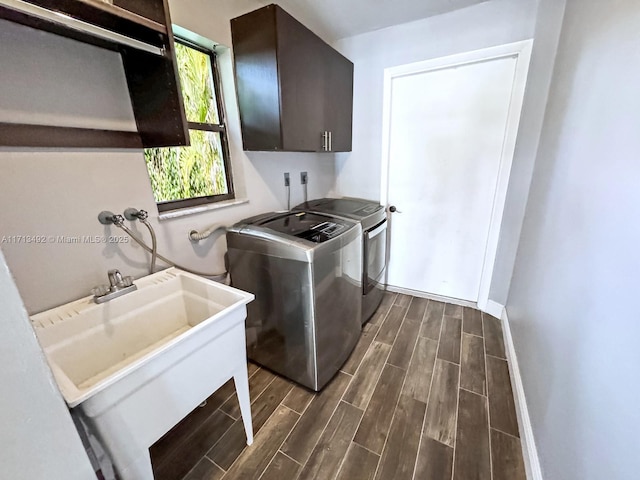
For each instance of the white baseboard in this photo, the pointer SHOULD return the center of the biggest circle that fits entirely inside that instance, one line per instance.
(430, 296)
(493, 309)
(529, 450)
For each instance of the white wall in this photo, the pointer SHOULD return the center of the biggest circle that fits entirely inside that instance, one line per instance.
(543, 55)
(60, 192)
(484, 25)
(27, 97)
(573, 304)
(37, 439)
(211, 18)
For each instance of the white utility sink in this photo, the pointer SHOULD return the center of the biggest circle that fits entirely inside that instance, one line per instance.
(136, 365)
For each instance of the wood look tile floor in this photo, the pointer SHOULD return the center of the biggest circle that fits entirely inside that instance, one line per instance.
(425, 395)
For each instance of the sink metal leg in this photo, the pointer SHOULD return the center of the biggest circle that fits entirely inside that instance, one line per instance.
(241, 380)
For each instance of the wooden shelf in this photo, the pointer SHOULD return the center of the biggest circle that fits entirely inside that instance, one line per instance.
(150, 68)
(109, 17)
(21, 134)
(116, 11)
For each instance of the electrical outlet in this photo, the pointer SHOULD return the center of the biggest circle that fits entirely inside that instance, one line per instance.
(303, 178)
(286, 179)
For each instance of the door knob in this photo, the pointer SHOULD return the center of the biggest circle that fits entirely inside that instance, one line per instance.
(393, 209)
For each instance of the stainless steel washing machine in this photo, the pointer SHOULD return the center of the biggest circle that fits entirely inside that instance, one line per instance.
(305, 271)
(373, 219)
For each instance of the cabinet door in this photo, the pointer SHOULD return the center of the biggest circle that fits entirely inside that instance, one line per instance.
(301, 71)
(256, 73)
(339, 100)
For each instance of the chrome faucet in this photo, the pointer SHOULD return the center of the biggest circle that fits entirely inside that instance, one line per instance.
(118, 286)
(115, 278)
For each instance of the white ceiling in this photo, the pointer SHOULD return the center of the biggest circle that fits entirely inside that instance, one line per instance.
(335, 19)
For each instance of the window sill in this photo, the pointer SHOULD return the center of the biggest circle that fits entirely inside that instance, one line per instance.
(184, 212)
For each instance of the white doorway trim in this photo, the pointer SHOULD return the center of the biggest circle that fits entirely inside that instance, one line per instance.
(522, 52)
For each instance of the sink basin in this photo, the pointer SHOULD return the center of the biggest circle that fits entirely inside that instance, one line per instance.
(136, 365)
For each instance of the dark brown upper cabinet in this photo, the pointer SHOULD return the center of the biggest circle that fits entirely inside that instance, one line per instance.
(152, 73)
(295, 92)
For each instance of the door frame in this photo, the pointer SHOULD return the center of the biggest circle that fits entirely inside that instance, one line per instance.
(522, 52)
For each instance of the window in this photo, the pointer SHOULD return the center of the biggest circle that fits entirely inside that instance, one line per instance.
(200, 173)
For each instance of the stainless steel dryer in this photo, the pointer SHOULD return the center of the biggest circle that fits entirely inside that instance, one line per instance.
(304, 269)
(373, 218)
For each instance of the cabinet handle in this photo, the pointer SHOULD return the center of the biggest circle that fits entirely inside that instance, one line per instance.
(330, 143)
(325, 141)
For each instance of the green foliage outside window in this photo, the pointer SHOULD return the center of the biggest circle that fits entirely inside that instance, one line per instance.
(197, 85)
(198, 170)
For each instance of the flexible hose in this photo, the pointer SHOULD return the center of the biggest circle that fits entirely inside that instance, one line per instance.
(146, 247)
(154, 245)
(196, 236)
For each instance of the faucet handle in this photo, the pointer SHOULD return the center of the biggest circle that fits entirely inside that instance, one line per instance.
(100, 290)
(115, 277)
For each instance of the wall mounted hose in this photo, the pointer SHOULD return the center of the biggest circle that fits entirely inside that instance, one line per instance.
(196, 236)
(142, 215)
(108, 218)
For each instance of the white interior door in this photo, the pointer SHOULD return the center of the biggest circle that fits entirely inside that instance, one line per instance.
(448, 128)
